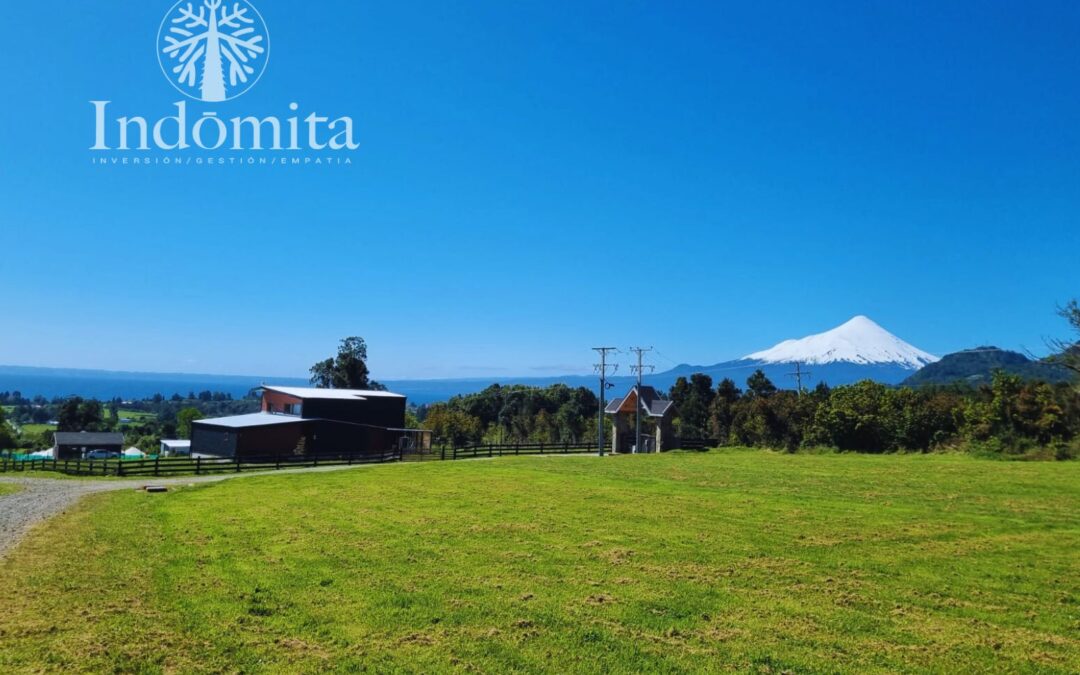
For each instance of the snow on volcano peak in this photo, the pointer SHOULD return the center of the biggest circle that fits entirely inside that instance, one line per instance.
(860, 340)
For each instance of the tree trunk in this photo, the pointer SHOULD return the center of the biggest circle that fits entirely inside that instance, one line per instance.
(213, 80)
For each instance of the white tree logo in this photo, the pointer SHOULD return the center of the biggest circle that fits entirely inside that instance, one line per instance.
(195, 47)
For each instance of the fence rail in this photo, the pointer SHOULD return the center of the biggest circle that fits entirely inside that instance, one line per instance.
(177, 466)
(697, 443)
(517, 449)
(186, 466)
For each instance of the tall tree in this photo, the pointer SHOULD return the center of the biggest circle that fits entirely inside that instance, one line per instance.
(760, 385)
(692, 399)
(1069, 350)
(7, 435)
(78, 415)
(184, 418)
(348, 370)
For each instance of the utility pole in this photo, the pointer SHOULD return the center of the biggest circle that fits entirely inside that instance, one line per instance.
(602, 368)
(639, 369)
(798, 375)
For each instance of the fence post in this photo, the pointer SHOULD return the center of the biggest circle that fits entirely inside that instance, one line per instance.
(238, 464)
(198, 465)
(119, 468)
(157, 465)
(541, 447)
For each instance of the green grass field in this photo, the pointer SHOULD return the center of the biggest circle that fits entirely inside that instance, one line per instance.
(740, 560)
(136, 415)
(28, 429)
(6, 489)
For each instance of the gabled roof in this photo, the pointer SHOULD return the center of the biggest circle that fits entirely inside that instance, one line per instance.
(87, 438)
(653, 405)
(331, 394)
(259, 419)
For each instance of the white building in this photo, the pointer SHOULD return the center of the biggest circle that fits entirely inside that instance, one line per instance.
(176, 448)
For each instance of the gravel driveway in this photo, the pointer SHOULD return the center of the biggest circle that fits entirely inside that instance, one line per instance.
(43, 498)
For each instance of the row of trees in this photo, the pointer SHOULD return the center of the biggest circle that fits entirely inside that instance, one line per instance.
(514, 414)
(144, 423)
(1010, 416)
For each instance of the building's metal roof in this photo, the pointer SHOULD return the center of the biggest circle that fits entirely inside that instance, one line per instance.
(87, 438)
(259, 419)
(650, 400)
(331, 394)
(177, 444)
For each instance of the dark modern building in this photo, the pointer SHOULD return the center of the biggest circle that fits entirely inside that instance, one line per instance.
(76, 445)
(312, 422)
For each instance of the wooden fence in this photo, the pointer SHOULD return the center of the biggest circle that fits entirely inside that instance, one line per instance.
(697, 443)
(199, 466)
(517, 449)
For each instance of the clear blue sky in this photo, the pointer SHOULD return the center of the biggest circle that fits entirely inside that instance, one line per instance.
(536, 178)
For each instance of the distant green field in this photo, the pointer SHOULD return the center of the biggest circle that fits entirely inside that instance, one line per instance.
(743, 561)
(136, 415)
(28, 429)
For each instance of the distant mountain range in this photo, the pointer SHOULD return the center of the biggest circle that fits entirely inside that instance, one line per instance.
(977, 366)
(856, 350)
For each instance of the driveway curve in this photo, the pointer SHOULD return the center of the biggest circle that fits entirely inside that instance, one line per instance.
(39, 499)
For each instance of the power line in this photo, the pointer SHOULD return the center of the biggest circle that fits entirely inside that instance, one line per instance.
(639, 369)
(602, 368)
(798, 375)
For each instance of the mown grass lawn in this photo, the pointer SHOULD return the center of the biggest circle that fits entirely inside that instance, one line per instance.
(7, 488)
(740, 560)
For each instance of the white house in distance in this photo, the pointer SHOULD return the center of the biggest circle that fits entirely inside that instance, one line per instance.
(175, 448)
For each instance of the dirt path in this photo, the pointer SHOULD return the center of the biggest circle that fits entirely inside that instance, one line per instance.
(42, 498)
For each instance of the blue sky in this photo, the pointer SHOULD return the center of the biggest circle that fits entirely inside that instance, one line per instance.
(536, 178)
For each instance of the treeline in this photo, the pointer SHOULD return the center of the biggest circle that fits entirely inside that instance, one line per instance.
(1009, 416)
(514, 414)
(144, 423)
(40, 410)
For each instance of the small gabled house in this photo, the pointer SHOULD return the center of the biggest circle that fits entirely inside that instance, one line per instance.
(305, 421)
(657, 414)
(77, 445)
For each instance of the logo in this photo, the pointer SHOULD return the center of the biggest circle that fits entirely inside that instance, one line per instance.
(213, 51)
(216, 52)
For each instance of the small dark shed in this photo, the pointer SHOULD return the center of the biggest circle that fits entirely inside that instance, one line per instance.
(76, 445)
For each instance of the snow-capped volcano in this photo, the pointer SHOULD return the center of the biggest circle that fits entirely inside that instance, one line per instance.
(859, 341)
